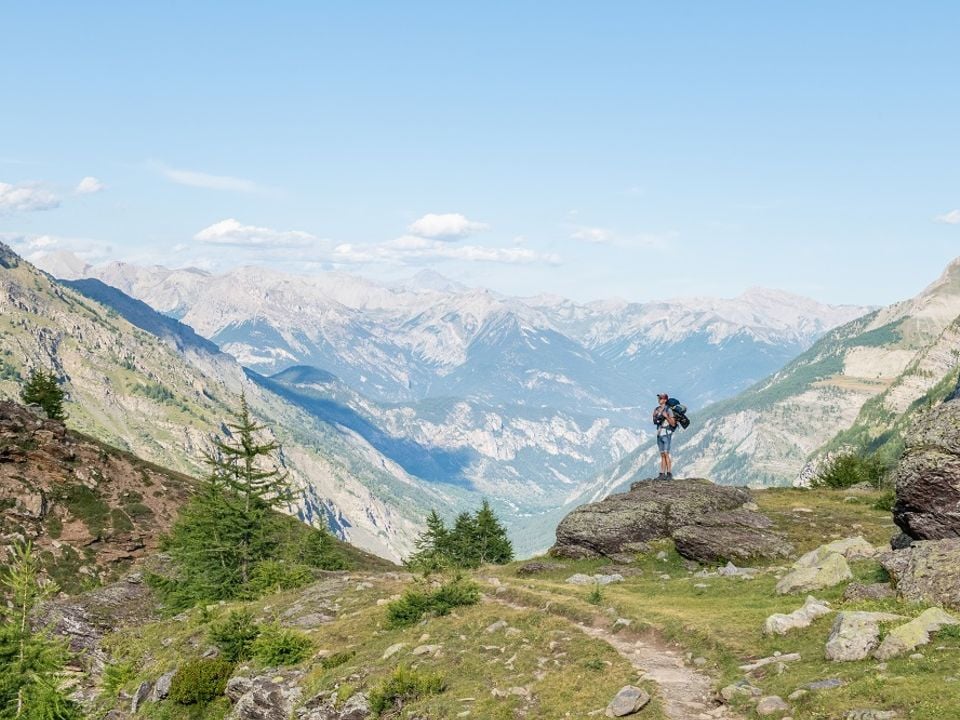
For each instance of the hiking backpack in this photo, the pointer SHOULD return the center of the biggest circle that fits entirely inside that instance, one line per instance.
(679, 412)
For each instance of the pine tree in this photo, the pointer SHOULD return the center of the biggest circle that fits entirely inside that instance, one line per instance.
(43, 389)
(231, 524)
(463, 551)
(433, 546)
(490, 538)
(30, 662)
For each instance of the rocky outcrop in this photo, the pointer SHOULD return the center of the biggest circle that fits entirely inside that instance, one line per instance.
(855, 635)
(909, 636)
(89, 509)
(927, 571)
(927, 503)
(732, 535)
(831, 570)
(651, 510)
(263, 698)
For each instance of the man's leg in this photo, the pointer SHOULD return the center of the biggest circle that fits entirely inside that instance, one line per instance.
(668, 464)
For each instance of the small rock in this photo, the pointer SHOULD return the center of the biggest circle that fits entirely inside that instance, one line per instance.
(141, 695)
(781, 624)
(798, 694)
(497, 626)
(533, 568)
(828, 684)
(871, 715)
(741, 688)
(662, 555)
(161, 688)
(629, 700)
(771, 705)
(917, 656)
(598, 579)
(426, 649)
(393, 650)
(357, 707)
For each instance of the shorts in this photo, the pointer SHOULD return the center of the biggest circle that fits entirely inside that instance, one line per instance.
(663, 442)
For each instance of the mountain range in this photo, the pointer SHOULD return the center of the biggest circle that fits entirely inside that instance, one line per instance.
(860, 387)
(392, 399)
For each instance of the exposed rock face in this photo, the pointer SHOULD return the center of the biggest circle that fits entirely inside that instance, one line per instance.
(94, 509)
(927, 571)
(911, 635)
(652, 509)
(731, 535)
(856, 634)
(831, 570)
(928, 477)
(265, 699)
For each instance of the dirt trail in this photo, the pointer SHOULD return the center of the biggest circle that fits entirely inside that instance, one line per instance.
(686, 693)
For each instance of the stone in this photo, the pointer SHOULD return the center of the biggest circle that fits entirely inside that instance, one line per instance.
(497, 626)
(928, 571)
(651, 510)
(781, 624)
(900, 541)
(772, 705)
(629, 700)
(927, 478)
(140, 696)
(426, 649)
(855, 635)
(853, 548)
(161, 688)
(828, 684)
(856, 592)
(738, 535)
(536, 567)
(911, 635)
(777, 658)
(831, 570)
(357, 707)
(237, 687)
(598, 579)
(741, 688)
(265, 700)
(862, 714)
(394, 649)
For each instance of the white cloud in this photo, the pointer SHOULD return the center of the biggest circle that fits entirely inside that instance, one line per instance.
(592, 235)
(232, 232)
(37, 247)
(950, 218)
(26, 197)
(410, 249)
(193, 178)
(449, 226)
(89, 185)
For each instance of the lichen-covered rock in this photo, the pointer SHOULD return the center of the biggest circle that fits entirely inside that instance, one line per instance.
(651, 510)
(911, 635)
(927, 503)
(730, 535)
(927, 571)
(265, 700)
(772, 705)
(831, 570)
(782, 623)
(852, 548)
(855, 635)
(629, 700)
(875, 591)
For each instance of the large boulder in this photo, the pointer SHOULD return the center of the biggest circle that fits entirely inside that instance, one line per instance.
(731, 535)
(911, 635)
(855, 635)
(927, 503)
(927, 571)
(827, 572)
(651, 510)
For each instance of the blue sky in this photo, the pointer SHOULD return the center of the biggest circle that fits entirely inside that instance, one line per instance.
(597, 149)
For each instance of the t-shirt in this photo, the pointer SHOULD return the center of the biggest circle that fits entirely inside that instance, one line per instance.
(664, 428)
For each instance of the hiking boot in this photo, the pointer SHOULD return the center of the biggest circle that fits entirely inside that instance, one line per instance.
(661, 476)
(669, 476)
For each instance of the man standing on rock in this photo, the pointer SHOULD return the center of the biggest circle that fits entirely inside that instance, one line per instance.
(666, 423)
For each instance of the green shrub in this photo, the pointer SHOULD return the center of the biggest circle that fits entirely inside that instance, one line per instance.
(403, 686)
(199, 681)
(845, 471)
(414, 604)
(337, 659)
(275, 575)
(320, 550)
(280, 646)
(886, 501)
(116, 675)
(235, 634)
(596, 595)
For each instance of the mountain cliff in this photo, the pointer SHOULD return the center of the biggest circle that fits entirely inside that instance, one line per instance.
(855, 386)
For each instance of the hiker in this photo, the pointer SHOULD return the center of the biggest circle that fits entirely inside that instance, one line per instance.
(666, 423)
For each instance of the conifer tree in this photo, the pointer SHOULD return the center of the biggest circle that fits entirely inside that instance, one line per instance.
(490, 541)
(433, 546)
(30, 661)
(230, 525)
(43, 389)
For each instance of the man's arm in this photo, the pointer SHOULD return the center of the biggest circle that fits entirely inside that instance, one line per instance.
(670, 418)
